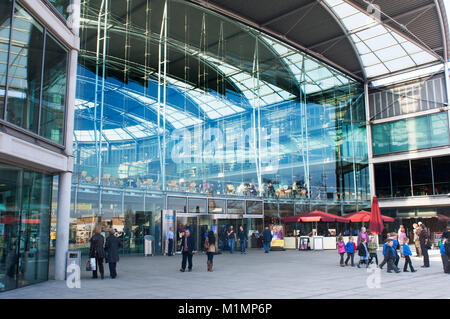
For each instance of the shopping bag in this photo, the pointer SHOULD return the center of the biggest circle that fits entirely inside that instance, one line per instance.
(88, 266)
(93, 264)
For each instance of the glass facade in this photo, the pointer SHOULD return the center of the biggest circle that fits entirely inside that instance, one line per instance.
(187, 102)
(411, 134)
(33, 71)
(25, 199)
(421, 177)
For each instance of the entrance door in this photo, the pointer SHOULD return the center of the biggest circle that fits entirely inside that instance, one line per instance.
(224, 226)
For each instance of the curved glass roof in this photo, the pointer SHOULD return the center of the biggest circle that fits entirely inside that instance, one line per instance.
(381, 49)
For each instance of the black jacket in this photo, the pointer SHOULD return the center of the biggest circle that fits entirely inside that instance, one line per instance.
(423, 236)
(242, 235)
(97, 250)
(112, 249)
(390, 253)
(267, 236)
(361, 250)
(190, 244)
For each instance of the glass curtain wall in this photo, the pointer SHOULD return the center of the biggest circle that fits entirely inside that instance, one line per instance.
(25, 204)
(33, 72)
(187, 101)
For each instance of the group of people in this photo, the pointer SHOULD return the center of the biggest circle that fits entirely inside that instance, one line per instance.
(101, 250)
(395, 247)
(211, 248)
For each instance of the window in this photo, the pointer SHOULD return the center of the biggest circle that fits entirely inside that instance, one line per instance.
(54, 91)
(32, 77)
(441, 174)
(422, 177)
(25, 69)
(380, 138)
(382, 180)
(417, 130)
(5, 18)
(439, 129)
(398, 140)
(401, 179)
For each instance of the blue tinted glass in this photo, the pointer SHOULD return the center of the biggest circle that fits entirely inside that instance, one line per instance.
(398, 136)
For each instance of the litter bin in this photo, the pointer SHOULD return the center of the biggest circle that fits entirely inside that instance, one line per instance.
(304, 243)
(148, 245)
(73, 257)
(318, 242)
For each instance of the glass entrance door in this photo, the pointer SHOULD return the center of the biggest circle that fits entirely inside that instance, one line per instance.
(224, 226)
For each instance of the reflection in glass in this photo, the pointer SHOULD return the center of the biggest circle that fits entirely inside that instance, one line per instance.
(235, 207)
(197, 205)
(53, 91)
(25, 70)
(25, 201)
(216, 206)
(5, 25)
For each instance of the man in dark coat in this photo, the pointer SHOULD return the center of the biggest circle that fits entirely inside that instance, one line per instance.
(242, 239)
(112, 252)
(424, 242)
(267, 238)
(97, 251)
(187, 250)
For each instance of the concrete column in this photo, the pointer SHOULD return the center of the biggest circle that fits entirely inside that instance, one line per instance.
(63, 224)
(65, 178)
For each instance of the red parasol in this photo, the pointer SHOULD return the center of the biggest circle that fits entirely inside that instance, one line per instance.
(364, 217)
(315, 216)
(376, 223)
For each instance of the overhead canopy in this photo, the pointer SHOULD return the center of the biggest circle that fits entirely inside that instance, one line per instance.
(362, 39)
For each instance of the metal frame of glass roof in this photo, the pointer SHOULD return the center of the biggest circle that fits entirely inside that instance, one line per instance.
(381, 49)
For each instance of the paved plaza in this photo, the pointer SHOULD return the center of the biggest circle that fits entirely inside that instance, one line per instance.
(277, 275)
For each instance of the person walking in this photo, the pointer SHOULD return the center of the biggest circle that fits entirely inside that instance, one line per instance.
(231, 235)
(401, 235)
(97, 251)
(362, 235)
(372, 247)
(407, 253)
(112, 252)
(390, 257)
(443, 249)
(385, 248)
(210, 246)
(416, 232)
(187, 249)
(267, 238)
(363, 253)
(170, 238)
(424, 246)
(341, 250)
(350, 249)
(242, 239)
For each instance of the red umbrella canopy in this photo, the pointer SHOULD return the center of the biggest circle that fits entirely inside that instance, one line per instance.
(376, 223)
(363, 216)
(315, 216)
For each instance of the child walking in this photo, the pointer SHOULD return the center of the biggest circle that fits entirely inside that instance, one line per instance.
(341, 250)
(350, 249)
(406, 253)
(372, 246)
(363, 253)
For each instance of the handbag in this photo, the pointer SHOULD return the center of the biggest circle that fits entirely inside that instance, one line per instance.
(206, 245)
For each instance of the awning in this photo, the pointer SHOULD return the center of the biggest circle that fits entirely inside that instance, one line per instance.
(315, 216)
